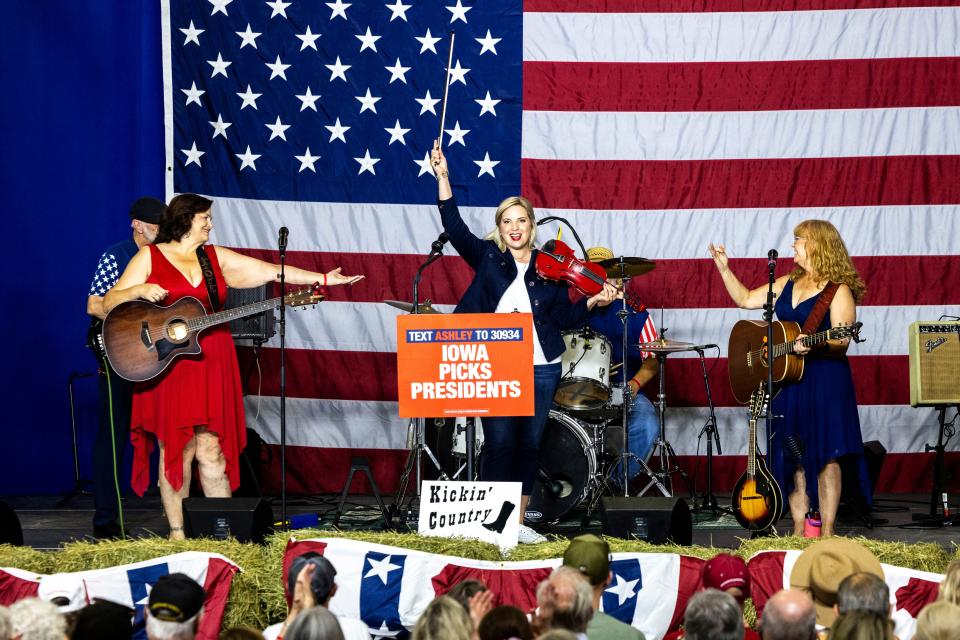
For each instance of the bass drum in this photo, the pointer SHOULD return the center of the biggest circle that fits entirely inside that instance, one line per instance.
(567, 464)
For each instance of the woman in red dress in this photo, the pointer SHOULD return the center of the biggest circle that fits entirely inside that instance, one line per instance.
(195, 408)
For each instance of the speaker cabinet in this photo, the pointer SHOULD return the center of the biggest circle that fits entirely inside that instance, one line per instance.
(258, 327)
(246, 519)
(656, 520)
(934, 363)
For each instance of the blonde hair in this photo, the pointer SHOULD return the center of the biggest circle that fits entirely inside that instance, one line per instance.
(443, 618)
(938, 621)
(828, 257)
(501, 209)
(950, 587)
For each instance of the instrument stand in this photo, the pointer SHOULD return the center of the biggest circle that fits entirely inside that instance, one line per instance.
(713, 438)
(79, 483)
(768, 318)
(940, 515)
(283, 379)
(661, 448)
(418, 446)
(362, 465)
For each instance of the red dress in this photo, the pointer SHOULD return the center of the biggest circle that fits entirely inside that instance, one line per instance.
(195, 390)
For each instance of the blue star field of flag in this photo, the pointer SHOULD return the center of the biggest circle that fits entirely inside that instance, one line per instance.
(319, 101)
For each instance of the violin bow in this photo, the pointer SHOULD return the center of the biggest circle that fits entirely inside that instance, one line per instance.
(446, 91)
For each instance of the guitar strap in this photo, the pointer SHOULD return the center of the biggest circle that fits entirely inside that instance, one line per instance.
(210, 278)
(819, 309)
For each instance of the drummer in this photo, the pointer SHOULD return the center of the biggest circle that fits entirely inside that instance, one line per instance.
(642, 422)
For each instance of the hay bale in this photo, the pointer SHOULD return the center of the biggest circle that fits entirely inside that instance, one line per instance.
(27, 558)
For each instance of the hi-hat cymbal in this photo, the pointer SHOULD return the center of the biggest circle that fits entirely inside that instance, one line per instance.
(665, 345)
(425, 306)
(631, 266)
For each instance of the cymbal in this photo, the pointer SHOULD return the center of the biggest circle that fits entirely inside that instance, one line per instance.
(665, 345)
(632, 266)
(425, 306)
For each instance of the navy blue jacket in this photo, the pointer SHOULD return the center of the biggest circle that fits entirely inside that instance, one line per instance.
(495, 272)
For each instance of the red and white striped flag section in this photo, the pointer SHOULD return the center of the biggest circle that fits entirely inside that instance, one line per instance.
(130, 585)
(654, 126)
(389, 587)
(910, 590)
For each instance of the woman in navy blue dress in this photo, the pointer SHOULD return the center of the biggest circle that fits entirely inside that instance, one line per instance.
(820, 424)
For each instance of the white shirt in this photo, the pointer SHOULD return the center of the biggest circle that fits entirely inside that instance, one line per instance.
(516, 300)
(352, 628)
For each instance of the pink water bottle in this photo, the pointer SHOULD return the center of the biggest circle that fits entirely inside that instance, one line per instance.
(811, 524)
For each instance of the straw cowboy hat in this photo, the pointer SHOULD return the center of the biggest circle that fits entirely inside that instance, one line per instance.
(822, 567)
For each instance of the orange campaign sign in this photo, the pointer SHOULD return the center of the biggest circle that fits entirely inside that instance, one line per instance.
(465, 364)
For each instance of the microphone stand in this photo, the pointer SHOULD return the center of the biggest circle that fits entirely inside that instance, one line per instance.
(283, 383)
(768, 318)
(713, 438)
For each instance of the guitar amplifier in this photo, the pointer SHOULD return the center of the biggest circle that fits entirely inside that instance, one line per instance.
(257, 327)
(934, 363)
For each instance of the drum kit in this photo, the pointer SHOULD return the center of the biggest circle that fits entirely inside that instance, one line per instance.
(585, 450)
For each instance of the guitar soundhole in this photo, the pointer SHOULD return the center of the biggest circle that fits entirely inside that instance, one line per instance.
(177, 331)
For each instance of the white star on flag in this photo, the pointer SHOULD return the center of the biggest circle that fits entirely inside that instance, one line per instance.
(427, 103)
(193, 155)
(278, 129)
(220, 127)
(380, 568)
(309, 39)
(487, 105)
(384, 631)
(336, 131)
(279, 8)
(366, 164)
(427, 42)
(192, 33)
(278, 69)
(368, 40)
(309, 100)
(425, 166)
(248, 159)
(249, 37)
(459, 12)
(398, 10)
(338, 8)
(458, 74)
(307, 160)
(486, 165)
(368, 102)
(221, 6)
(624, 589)
(398, 72)
(456, 134)
(488, 44)
(397, 133)
(219, 66)
(249, 98)
(338, 70)
(193, 94)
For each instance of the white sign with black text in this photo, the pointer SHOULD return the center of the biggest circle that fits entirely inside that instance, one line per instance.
(487, 511)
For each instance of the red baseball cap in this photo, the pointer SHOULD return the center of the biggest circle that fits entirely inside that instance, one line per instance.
(726, 571)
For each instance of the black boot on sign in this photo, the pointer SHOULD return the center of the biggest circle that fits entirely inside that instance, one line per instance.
(501, 521)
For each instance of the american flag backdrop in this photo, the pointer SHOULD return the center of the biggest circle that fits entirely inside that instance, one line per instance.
(654, 126)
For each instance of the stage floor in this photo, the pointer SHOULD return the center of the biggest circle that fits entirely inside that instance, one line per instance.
(49, 521)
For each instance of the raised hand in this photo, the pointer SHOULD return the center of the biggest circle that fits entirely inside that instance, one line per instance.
(335, 277)
(437, 160)
(719, 255)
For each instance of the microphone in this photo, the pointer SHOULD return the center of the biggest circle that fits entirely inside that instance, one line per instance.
(554, 487)
(284, 232)
(772, 258)
(437, 246)
(704, 347)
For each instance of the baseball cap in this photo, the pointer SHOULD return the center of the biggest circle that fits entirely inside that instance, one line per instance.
(590, 555)
(176, 598)
(147, 209)
(726, 571)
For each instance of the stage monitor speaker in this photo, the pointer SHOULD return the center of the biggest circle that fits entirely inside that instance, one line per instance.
(934, 363)
(258, 327)
(656, 520)
(10, 530)
(246, 519)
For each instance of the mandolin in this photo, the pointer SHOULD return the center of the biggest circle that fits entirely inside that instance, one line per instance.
(748, 357)
(556, 261)
(142, 339)
(757, 498)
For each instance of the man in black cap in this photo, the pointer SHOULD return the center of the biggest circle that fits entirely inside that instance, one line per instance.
(114, 430)
(174, 607)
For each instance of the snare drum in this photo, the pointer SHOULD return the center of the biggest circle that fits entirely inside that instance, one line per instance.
(585, 377)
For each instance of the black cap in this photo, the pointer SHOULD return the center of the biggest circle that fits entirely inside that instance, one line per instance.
(323, 576)
(103, 620)
(147, 209)
(176, 598)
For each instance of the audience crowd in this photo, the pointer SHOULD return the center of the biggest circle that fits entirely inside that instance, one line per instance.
(837, 592)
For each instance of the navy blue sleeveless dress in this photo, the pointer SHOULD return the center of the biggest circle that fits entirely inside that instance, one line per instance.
(820, 421)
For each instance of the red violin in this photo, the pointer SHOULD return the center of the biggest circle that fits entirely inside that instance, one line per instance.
(556, 261)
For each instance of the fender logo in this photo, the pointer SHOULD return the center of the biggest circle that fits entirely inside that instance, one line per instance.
(933, 344)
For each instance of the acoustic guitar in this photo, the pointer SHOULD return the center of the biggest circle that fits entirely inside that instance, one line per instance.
(757, 498)
(142, 339)
(748, 356)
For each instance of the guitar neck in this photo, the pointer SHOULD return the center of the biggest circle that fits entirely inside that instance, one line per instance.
(808, 341)
(213, 319)
(752, 448)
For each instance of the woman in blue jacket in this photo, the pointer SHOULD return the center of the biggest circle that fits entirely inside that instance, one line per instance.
(505, 282)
